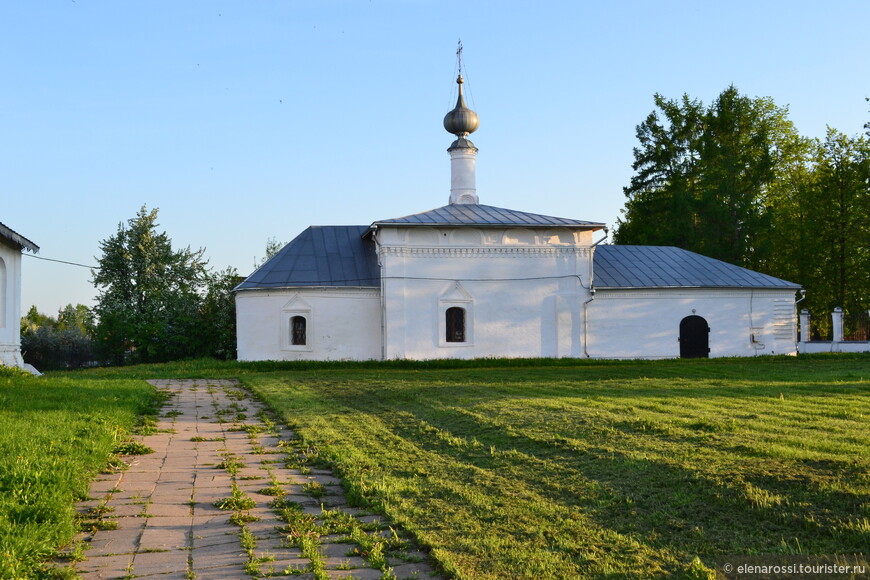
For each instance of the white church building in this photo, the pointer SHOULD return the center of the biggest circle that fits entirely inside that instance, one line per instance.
(468, 280)
(12, 245)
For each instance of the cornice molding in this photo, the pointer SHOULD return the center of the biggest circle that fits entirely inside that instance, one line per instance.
(506, 251)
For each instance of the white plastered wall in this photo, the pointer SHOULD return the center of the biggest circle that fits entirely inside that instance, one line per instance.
(646, 323)
(341, 324)
(10, 305)
(520, 288)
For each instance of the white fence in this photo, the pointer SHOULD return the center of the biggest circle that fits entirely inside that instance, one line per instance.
(838, 344)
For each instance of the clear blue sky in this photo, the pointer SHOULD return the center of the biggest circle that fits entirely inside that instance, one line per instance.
(247, 120)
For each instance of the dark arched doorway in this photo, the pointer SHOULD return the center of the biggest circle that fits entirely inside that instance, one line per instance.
(694, 337)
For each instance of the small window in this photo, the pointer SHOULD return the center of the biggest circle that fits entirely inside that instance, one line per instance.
(455, 324)
(297, 331)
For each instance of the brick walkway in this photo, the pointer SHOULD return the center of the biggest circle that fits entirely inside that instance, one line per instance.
(215, 448)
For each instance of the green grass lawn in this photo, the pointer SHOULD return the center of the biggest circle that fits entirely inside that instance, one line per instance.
(629, 469)
(56, 433)
(514, 469)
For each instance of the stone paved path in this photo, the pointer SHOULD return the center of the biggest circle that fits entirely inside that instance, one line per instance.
(216, 448)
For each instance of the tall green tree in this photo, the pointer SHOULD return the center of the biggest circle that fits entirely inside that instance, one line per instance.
(148, 306)
(841, 209)
(819, 234)
(703, 175)
(737, 164)
(735, 181)
(662, 207)
(790, 241)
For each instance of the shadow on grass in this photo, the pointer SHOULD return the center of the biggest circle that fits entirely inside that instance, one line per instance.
(673, 491)
(783, 368)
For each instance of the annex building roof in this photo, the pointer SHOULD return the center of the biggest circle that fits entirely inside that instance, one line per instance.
(479, 215)
(670, 267)
(320, 256)
(17, 239)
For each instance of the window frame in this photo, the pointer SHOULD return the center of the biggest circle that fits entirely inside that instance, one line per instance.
(454, 323)
(294, 330)
(443, 306)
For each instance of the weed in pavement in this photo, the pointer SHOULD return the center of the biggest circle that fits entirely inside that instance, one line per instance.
(238, 501)
(231, 464)
(131, 447)
(314, 488)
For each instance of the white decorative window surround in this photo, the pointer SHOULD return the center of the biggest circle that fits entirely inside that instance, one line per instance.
(297, 325)
(459, 320)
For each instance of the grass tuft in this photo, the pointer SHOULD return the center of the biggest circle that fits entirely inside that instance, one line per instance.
(131, 448)
(238, 501)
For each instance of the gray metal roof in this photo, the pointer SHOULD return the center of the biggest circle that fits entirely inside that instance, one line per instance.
(345, 256)
(669, 267)
(469, 214)
(17, 239)
(320, 256)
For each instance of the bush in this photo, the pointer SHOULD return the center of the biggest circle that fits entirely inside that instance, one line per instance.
(49, 348)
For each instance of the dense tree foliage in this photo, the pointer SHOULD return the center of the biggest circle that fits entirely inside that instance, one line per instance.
(735, 181)
(65, 342)
(840, 201)
(703, 175)
(661, 208)
(219, 314)
(157, 303)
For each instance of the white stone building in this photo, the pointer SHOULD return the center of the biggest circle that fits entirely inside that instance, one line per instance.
(468, 280)
(11, 246)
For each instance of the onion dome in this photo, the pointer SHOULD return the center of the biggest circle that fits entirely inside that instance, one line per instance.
(461, 121)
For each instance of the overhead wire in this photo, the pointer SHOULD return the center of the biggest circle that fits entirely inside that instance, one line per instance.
(61, 261)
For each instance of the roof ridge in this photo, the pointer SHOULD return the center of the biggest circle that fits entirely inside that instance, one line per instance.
(484, 215)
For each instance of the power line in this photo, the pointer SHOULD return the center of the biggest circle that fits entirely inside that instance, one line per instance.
(60, 261)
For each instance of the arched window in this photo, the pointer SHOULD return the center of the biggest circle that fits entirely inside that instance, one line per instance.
(455, 324)
(297, 331)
